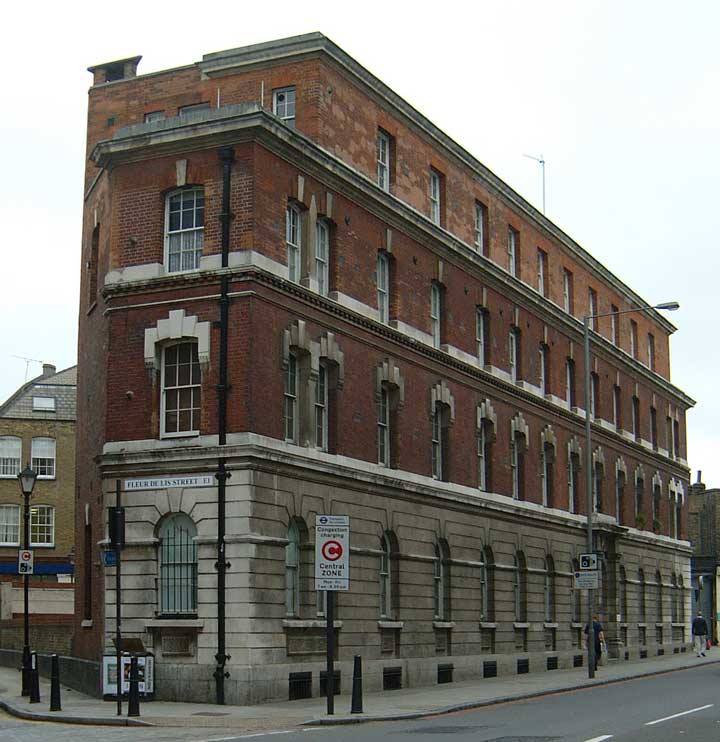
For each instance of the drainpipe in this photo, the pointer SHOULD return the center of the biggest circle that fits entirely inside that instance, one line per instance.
(227, 155)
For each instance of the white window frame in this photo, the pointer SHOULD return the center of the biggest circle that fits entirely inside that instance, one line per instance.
(572, 477)
(43, 404)
(633, 338)
(164, 432)
(566, 290)
(321, 409)
(569, 383)
(383, 287)
(479, 227)
(293, 241)
(10, 456)
(35, 449)
(512, 354)
(592, 307)
(291, 383)
(651, 351)
(9, 525)
(545, 460)
(616, 401)
(515, 466)
(439, 584)
(614, 326)
(480, 335)
(482, 463)
(280, 108)
(47, 524)
(436, 442)
(383, 427)
(512, 251)
(435, 314)
(542, 360)
(382, 149)
(593, 395)
(434, 197)
(322, 256)
(197, 231)
(541, 255)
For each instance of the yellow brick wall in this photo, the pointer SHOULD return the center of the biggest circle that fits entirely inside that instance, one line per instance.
(58, 492)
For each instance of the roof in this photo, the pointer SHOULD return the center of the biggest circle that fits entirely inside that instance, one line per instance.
(60, 386)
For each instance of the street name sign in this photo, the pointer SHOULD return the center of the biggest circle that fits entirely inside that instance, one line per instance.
(588, 561)
(332, 548)
(25, 562)
(588, 580)
(161, 483)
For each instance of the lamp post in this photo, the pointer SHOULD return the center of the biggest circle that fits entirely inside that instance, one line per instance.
(670, 306)
(27, 479)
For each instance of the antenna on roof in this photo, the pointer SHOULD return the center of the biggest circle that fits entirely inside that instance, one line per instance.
(28, 361)
(541, 161)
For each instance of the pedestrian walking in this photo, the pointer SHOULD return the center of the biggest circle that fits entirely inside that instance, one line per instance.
(599, 638)
(699, 632)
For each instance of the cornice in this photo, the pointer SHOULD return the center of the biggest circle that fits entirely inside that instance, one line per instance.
(248, 122)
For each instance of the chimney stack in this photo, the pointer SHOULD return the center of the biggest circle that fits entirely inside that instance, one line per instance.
(48, 370)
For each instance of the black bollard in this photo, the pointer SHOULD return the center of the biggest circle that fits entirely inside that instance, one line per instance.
(34, 679)
(356, 706)
(55, 684)
(134, 694)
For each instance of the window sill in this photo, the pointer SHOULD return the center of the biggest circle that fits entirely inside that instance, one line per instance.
(521, 625)
(390, 624)
(175, 623)
(488, 625)
(184, 434)
(642, 625)
(86, 623)
(678, 624)
(576, 625)
(550, 625)
(443, 624)
(312, 623)
(659, 625)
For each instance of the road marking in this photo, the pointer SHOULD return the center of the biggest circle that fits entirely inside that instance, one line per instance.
(599, 739)
(682, 713)
(247, 736)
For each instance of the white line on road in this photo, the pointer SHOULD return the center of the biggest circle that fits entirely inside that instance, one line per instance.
(599, 739)
(682, 713)
(247, 736)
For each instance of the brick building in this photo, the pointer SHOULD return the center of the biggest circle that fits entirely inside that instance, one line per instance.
(292, 276)
(703, 530)
(37, 426)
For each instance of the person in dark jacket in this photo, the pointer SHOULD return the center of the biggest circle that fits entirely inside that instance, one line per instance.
(599, 638)
(699, 632)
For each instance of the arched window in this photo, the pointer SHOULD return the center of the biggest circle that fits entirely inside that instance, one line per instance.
(673, 598)
(520, 587)
(549, 589)
(639, 502)
(487, 586)
(178, 565)
(659, 605)
(290, 399)
(10, 455)
(388, 576)
(441, 594)
(619, 496)
(681, 597)
(292, 570)
(440, 453)
(485, 438)
(598, 475)
(518, 444)
(181, 390)
(642, 606)
(184, 229)
(547, 473)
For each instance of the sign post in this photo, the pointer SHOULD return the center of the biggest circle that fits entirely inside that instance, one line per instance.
(332, 573)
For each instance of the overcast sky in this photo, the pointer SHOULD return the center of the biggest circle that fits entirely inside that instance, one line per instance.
(622, 99)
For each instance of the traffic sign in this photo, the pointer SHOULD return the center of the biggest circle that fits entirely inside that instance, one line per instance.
(588, 561)
(332, 547)
(588, 580)
(25, 562)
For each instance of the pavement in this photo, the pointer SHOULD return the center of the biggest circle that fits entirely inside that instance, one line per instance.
(408, 703)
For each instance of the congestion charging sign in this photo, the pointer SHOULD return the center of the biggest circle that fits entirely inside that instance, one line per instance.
(332, 547)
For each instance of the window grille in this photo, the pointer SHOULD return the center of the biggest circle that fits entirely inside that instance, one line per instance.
(178, 566)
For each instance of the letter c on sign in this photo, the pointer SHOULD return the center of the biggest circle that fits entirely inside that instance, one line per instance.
(332, 550)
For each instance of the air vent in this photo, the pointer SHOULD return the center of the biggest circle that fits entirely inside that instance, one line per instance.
(552, 663)
(323, 682)
(490, 669)
(299, 685)
(444, 674)
(577, 660)
(523, 666)
(392, 678)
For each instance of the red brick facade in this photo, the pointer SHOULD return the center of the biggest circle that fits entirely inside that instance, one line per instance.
(119, 398)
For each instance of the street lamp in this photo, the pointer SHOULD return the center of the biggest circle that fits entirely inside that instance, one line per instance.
(27, 479)
(670, 306)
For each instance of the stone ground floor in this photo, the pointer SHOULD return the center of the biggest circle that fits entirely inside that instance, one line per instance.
(446, 583)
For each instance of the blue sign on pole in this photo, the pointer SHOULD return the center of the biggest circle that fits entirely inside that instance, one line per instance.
(109, 558)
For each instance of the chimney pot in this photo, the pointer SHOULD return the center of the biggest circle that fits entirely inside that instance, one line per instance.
(48, 370)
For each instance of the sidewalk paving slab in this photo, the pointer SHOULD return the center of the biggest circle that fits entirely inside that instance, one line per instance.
(407, 703)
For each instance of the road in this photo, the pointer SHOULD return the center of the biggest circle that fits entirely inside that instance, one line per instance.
(681, 705)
